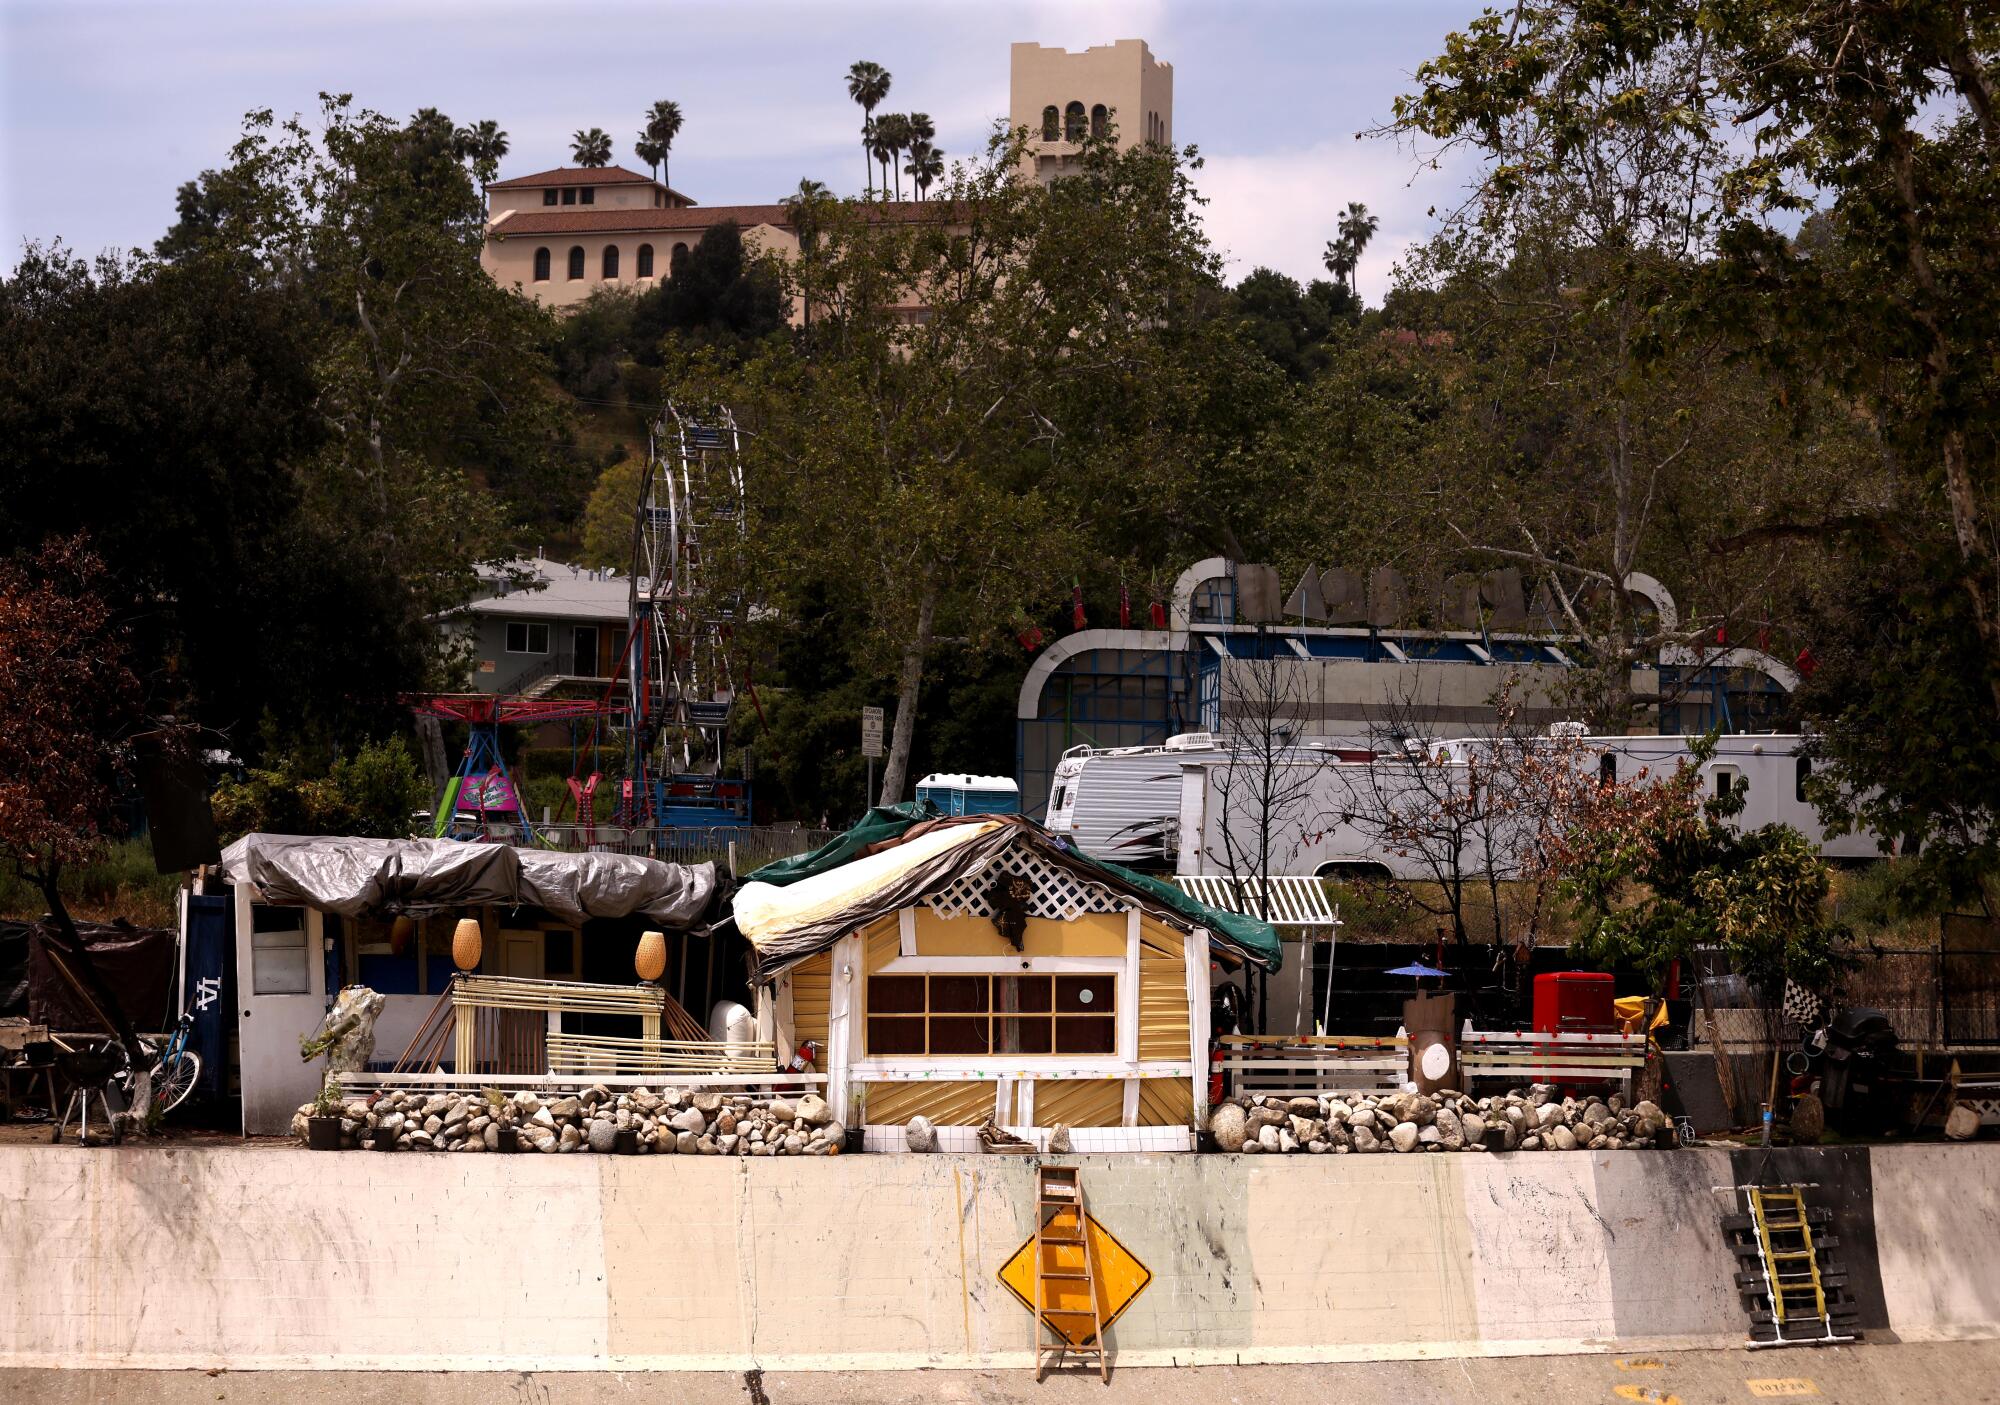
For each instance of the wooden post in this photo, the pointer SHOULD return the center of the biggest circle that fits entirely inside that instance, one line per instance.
(1725, 1076)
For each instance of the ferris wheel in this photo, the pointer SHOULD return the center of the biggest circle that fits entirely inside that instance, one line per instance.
(690, 504)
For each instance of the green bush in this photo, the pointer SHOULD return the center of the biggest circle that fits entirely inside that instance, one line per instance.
(374, 792)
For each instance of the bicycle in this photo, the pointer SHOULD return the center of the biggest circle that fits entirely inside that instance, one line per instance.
(176, 1068)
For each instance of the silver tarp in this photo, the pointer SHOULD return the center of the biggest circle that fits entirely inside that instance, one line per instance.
(357, 877)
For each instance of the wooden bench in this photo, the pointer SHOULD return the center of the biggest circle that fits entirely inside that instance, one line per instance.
(1527, 1056)
(1317, 1064)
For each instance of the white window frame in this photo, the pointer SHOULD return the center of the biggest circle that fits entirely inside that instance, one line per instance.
(530, 626)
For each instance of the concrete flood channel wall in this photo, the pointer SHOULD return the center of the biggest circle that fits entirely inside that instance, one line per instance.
(264, 1258)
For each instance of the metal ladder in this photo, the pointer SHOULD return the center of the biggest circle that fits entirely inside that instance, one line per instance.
(1788, 1260)
(1064, 1257)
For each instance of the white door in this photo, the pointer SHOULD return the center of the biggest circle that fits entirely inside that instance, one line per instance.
(281, 989)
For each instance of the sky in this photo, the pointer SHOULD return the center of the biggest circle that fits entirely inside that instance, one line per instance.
(105, 108)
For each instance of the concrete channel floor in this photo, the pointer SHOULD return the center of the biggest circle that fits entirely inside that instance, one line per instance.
(1943, 1373)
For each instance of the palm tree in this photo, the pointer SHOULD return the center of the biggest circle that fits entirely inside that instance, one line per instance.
(663, 124)
(1339, 259)
(1356, 227)
(648, 150)
(893, 130)
(926, 166)
(591, 148)
(922, 133)
(484, 145)
(868, 84)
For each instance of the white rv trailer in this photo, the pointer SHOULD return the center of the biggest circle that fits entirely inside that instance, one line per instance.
(1170, 806)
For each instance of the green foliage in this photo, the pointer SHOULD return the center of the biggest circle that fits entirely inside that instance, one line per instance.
(373, 792)
(1658, 872)
(719, 296)
(607, 516)
(590, 343)
(1290, 325)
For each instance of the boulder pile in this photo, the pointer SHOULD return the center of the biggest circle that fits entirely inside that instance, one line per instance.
(1538, 1118)
(685, 1122)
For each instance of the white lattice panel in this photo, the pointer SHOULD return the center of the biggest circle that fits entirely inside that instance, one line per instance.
(1059, 893)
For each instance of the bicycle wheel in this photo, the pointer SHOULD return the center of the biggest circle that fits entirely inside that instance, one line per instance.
(172, 1084)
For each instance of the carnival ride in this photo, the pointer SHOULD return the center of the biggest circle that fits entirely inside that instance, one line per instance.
(672, 690)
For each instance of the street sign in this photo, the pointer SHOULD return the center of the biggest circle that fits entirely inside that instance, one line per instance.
(1120, 1279)
(871, 731)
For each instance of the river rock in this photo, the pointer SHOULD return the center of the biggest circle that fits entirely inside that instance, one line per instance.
(1403, 1136)
(1961, 1124)
(1365, 1139)
(782, 1111)
(603, 1136)
(689, 1120)
(1268, 1138)
(1561, 1138)
(1307, 1108)
(1061, 1143)
(920, 1135)
(812, 1109)
(1229, 1125)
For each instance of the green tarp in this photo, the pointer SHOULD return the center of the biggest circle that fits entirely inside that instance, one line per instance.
(1256, 940)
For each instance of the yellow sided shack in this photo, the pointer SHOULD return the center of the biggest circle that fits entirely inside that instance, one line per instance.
(977, 970)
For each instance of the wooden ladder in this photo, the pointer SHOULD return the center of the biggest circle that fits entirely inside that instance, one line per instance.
(1065, 1258)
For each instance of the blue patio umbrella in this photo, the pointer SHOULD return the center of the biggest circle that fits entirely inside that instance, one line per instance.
(1416, 969)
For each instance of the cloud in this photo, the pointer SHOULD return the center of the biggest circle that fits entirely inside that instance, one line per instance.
(1278, 209)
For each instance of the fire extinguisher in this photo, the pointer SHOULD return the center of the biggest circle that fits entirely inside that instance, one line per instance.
(1214, 1077)
(805, 1058)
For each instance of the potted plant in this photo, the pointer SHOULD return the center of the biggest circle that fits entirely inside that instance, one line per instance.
(323, 1123)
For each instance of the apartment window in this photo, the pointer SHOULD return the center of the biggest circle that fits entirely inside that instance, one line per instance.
(541, 265)
(587, 196)
(548, 197)
(645, 268)
(1100, 119)
(610, 260)
(1051, 123)
(569, 196)
(576, 262)
(958, 1015)
(1073, 122)
(526, 638)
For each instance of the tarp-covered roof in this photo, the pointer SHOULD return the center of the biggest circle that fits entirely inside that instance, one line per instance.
(866, 877)
(357, 877)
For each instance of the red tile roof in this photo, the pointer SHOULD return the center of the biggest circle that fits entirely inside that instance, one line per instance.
(578, 221)
(576, 175)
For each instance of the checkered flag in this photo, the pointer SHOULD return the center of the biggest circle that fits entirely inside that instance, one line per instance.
(1802, 1007)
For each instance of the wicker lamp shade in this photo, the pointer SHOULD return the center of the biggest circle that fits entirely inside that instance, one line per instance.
(400, 932)
(650, 960)
(465, 944)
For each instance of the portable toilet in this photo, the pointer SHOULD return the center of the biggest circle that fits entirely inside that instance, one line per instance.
(971, 795)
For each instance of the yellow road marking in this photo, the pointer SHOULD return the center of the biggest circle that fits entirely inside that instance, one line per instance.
(1783, 1385)
(1638, 1363)
(1646, 1394)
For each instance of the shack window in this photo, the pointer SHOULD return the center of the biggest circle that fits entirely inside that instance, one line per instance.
(955, 1016)
(278, 951)
(1800, 777)
(526, 638)
(1607, 768)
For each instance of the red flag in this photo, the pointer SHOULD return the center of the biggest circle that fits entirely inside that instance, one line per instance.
(1721, 635)
(1076, 620)
(1156, 615)
(1031, 638)
(1124, 607)
(1806, 664)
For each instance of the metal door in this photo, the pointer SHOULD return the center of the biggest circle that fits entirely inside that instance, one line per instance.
(281, 998)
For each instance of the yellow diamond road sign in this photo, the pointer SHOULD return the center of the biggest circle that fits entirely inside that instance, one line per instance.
(1066, 1309)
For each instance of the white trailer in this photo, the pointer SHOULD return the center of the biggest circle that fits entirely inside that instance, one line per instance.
(1196, 805)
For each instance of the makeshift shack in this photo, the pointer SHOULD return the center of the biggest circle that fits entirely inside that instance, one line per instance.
(978, 969)
(314, 913)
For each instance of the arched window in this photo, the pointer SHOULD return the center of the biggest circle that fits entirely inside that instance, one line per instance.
(541, 265)
(1051, 123)
(677, 260)
(610, 261)
(576, 262)
(1073, 122)
(645, 268)
(1100, 118)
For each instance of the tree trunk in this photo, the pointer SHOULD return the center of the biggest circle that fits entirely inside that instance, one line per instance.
(910, 680)
(86, 971)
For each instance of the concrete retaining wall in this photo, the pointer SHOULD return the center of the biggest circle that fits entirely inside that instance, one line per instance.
(266, 1258)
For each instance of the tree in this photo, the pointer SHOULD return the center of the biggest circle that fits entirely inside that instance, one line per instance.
(607, 517)
(1343, 254)
(722, 297)
(591, 147)
(868, 84)
(70, 709)
(376, 792)
(919, 468)
(891, 138)
(663, 124)
(926, 167)
(484, 145)
(649, 151)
